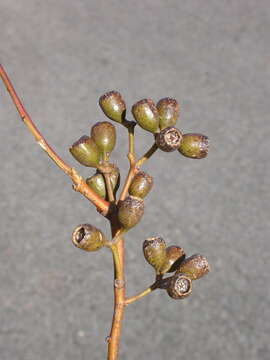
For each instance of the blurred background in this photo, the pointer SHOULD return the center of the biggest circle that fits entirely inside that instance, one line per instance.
(214, 58)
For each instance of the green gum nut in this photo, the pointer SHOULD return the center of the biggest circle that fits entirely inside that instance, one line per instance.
(180, 286)
(146, 115)
(98, 185)
(168, 139)
(113, 106)
(194, 146)
(168, 110)
(88, 238)
(194, 267)
(154, 250)
(86, 152)
(141, 185)
(130, 211)
(174, 256)
(104, 135)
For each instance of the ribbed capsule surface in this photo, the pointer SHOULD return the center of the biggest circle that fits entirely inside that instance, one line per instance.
(195, 146)
(174, 256)
(86, 152)
(168, 110)
(104, 135)
(168, 139)
(113, 106)
(154, 250)
(180, 286)
(130, 211)
(194, 267)
(141, 185)
(146, 115)
(88, 238)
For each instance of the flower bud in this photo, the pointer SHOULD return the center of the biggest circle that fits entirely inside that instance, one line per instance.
(169, 139)
(113, 106)
(168, 110)
(104, 135)
(88, 238)
(180, 286)
(86, 151)
(174, 256)
(146, 115)
(141, 185)
(194, 267)
(194, 146)
(130, 211)
(154, 250)
(98, 185)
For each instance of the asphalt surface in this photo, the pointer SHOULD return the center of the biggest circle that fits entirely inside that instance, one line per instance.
(213, 57)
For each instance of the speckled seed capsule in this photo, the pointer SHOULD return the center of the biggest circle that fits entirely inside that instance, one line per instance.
(113, 106)
(194, 267)
(86, 151)
(130, 211)
(169, 139)
(168, 110)
(88, 238)
(98, 185)
(146, 115)
(154, 250)
(174, 256)
(180, 286)
(194, 146)
(141, 185)
(104, 135)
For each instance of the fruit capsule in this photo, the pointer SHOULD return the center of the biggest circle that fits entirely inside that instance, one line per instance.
(174, 256)
(141, 185)
(194, 146)
(194, 267)
(113, 106)
(179, 287)
(168, 110)
(146, 115)
(104, 135)
(168, 139)
(154, 250)
(88, 238)
(86, 152)
(130, 211)
(98, 185)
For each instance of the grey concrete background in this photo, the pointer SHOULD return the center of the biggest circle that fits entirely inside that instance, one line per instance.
(214, 57)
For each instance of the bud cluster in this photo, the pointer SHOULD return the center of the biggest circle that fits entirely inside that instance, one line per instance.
(172, 259)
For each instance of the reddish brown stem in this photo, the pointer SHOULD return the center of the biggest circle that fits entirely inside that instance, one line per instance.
(79, 183)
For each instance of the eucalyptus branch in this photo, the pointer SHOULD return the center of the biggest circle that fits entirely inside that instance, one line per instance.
(94, 151)
(79, 183)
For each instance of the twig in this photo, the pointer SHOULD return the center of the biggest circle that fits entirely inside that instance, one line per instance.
(79, 183)
(146, 156)
(131, 157)
(147, 291)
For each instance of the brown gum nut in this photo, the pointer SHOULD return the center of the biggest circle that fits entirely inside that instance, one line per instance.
(130, 211)
(168, 139)
(174, 256)
(194, 267)
(180, 286)
(88, 238)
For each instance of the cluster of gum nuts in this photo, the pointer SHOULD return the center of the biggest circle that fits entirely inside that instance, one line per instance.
(95, 150)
